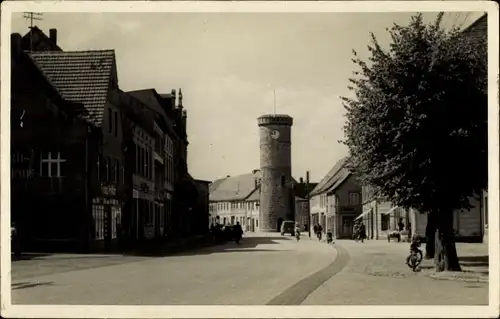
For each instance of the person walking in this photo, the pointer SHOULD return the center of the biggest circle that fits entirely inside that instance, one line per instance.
(362, 232)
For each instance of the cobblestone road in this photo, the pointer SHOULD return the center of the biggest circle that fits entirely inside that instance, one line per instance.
(259, 270)
(377, 275)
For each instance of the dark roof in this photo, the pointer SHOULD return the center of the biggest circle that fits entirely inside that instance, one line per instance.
(150, 98)
(477, 30)
(37, 40)
(329, 178)
(338, 179)
(234, 187)
(80, 76)
(301, 190)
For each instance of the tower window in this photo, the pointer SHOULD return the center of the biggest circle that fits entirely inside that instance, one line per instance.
(282, 181)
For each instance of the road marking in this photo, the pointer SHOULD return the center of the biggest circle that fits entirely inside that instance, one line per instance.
(297, 293)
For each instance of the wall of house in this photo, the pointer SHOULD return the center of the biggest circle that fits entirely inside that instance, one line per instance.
(346, 210)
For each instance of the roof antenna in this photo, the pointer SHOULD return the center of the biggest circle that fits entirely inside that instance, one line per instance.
(32, 16)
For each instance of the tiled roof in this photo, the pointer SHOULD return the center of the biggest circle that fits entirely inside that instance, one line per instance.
(233, 187)
(329, 178)
(79, 76)
(338, 179)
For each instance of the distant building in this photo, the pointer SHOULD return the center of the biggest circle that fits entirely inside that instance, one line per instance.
(236, 199)
(336, 201)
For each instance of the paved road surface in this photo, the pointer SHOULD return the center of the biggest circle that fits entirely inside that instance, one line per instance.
(264, 269)
(377, 275)
(258, 271)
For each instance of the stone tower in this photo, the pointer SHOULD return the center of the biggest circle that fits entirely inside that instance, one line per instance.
(276, 196)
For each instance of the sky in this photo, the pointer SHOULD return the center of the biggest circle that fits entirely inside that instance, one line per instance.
(228, 66)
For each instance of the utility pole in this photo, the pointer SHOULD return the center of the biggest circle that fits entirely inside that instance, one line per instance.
(32, 16)
(308, 205)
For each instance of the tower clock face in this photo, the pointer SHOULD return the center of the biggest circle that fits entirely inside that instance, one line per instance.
(275, 134)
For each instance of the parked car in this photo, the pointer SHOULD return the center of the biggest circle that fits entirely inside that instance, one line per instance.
(288, 227)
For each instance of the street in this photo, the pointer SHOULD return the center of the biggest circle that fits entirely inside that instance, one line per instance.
(263, 269)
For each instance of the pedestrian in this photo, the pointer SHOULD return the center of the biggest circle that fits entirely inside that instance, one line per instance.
(238, 232)
(16, 240)
(355, 231)
(315, 229)
(362, 231)
(401, 225)
(320, 232)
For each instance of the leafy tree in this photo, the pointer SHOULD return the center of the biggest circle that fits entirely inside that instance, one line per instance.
(417, 127)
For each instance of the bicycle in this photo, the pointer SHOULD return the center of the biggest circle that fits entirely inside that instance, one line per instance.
(415, 258)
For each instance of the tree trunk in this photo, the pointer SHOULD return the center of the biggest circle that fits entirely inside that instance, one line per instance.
(430, 233)
(445, 257)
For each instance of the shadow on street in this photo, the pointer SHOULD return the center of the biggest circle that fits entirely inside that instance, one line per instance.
(246, 245)
(200, 246)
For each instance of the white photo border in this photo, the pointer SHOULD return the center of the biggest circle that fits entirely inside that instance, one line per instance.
(66, 311)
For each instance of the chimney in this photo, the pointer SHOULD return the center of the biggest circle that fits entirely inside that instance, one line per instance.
(180, 98)
(15, 45)
(53, 35)
(174, 97)
(301, 180)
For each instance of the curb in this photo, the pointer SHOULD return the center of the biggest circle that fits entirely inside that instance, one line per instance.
(458, 278)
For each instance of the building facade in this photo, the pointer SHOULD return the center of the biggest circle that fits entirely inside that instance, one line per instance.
(277, 198)
(236, 199)
(49, 141)
(113, 164)
(336, 201)
(87, 80)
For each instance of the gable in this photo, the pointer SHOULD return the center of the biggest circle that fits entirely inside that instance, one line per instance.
(79, 76)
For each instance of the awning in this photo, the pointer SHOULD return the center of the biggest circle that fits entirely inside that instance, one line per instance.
(363, 214)
(390, 210)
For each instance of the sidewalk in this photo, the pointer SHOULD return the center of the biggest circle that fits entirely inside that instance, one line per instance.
(377, 275)
(388, 259)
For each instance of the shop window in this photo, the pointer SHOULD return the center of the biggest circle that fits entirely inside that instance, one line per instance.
(98, 216)
(52, 165)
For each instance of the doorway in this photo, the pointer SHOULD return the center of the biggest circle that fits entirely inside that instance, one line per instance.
(347, 225)
(280, 221)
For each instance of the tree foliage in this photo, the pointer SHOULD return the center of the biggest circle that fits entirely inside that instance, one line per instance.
(417, 127)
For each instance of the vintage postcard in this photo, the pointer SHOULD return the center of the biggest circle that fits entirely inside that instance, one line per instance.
(249, 159)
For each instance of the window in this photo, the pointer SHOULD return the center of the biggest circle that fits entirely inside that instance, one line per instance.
(110, 120)
(282, 181)
(123, 173)
(146, 164)
(108, 169)
(98, 216)
(136, 155)
(354, 199)
(116, 123)
(117, 171)
(52, 165)
(141, 161)
(385, 220)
